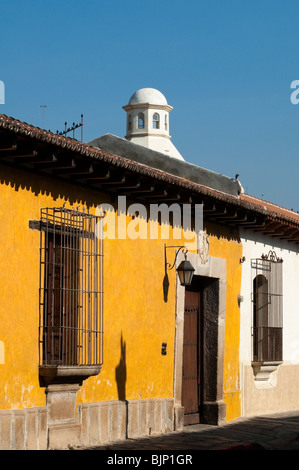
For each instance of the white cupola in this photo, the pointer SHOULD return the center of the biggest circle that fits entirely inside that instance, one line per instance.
(148, 121)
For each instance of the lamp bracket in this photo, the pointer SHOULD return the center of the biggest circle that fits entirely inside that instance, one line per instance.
(184, 250)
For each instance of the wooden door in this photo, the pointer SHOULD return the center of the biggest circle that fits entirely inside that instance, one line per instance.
(61, 286)
(191, 358)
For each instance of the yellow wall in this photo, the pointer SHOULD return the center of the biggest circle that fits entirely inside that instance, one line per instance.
(137, 320)
(136, 315)
(227, 245)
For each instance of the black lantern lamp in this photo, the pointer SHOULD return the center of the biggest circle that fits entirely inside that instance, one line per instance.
(185, 270)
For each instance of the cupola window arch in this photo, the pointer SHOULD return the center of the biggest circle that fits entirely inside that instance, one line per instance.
(140, 121)
(156, 121)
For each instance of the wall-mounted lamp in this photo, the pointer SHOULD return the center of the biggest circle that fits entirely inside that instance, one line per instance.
(185, 270)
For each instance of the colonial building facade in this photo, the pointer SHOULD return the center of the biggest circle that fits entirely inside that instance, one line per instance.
(102, 335)
(268, 311)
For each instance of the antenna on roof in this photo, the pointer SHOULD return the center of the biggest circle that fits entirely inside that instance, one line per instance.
(43, 106)
(73, 128)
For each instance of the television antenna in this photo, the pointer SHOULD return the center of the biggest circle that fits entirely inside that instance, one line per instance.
(43, 106)
(73, 128)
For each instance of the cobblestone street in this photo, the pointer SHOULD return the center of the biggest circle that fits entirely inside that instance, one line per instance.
(269, 432)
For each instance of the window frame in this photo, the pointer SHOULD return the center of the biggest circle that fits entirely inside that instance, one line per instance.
(156, 121)
(267, 318)
(71, 306)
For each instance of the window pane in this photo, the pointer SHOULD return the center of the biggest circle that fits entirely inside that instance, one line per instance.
(156, 121)
(140, 121)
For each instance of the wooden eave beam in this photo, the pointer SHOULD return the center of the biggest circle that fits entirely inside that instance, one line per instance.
(208, 207)
(229, 215)
(127, 187)
(113, 181)
(216, 214)
(11, 148)
(142, 190)
(25, 153)
(294, 237)
(161, 194)
(60, 164)
(173, 197)
(281, 231)
(7, 147)
(289, 233)
(256, 223)
(234, 217)
(242, 219)
(264, 226)
(272, 227)
(76, 170)
(39, 158)
(19, 154)
(96, 176)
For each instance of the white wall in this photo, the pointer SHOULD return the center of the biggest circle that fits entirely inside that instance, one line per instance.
(272, 393)
(254, 245)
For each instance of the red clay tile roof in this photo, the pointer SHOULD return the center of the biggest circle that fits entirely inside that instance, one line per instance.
(245, 201)
(26, 130)
(274, 211)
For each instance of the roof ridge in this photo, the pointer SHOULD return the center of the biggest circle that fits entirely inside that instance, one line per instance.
(271, 203)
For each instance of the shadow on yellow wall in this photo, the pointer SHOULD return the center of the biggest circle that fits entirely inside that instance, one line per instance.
(121, 371)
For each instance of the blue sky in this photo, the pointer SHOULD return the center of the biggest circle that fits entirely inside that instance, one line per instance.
(226, 67)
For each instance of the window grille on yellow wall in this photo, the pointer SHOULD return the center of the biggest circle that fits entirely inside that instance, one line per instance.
(71, 288)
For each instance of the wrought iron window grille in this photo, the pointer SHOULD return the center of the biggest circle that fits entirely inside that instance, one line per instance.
(267, 297)
(272, 256)
(71, 288)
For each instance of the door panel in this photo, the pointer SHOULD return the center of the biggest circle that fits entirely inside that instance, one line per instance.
(191, 358)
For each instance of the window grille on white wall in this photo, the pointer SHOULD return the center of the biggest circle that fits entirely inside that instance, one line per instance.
(267, 297)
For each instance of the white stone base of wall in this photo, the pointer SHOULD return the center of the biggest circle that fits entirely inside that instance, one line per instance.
(277, 392)
(24, 429)
(105, 422)
(93, 424)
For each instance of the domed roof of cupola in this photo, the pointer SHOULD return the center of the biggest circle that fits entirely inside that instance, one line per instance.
(148, 95)
(148, 121)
